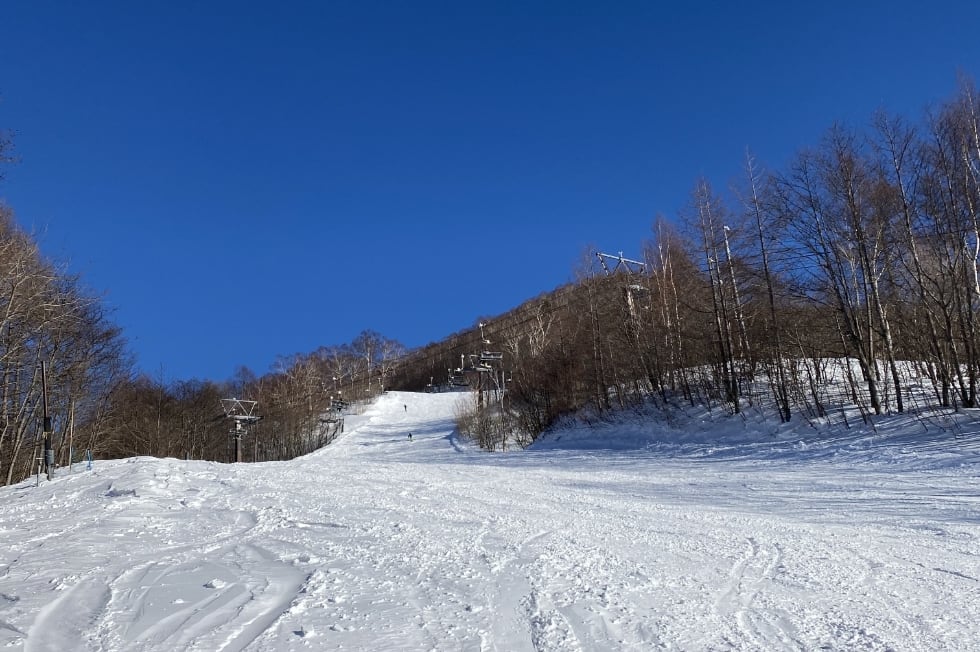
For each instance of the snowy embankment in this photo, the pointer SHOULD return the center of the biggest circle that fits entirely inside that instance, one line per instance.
(712, 541)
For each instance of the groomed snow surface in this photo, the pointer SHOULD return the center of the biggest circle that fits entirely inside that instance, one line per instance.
(628, 536)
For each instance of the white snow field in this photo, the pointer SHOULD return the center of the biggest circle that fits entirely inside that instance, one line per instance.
(625, 537)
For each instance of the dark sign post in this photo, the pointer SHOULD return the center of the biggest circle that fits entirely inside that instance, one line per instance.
(46, 424)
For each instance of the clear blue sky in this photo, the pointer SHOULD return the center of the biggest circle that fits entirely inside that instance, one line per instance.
(248, 179)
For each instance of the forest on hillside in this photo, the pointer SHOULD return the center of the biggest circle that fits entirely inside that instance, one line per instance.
(865, 247)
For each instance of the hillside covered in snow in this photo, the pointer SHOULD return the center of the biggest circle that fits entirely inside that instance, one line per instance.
(710, 534)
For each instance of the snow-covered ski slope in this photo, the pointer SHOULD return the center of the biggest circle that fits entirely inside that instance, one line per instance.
(379, 543)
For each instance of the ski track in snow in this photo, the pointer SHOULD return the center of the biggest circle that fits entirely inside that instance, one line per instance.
(380, 543)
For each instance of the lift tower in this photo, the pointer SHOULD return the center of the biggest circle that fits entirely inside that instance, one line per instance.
(242, 412)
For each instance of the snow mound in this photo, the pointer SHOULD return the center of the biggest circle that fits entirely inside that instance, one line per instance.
(700, 533)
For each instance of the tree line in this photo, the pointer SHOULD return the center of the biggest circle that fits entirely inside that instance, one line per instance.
(302, 401)
(47, 315)
(99, 403)
(865, 248)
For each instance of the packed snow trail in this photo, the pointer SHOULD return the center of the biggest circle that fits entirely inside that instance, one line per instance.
(381, 543)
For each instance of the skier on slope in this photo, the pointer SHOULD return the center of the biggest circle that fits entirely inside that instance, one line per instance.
(409, 436)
